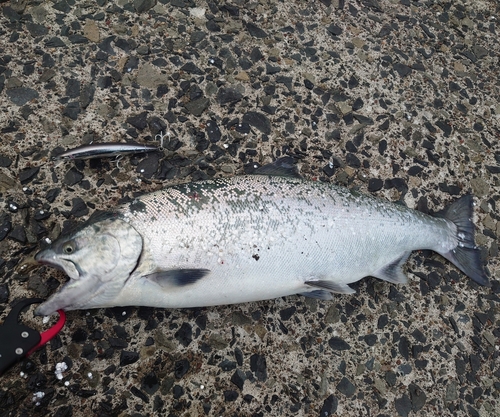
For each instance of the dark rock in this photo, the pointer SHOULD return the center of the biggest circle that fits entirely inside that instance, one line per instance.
(142, 6)
(11, 14)
(4, 293)
(230, 395)
(255, 31)
(403, 405)
(79, 336)
(375, 184)
(128, 358)
(73, 88)
(185, 334)
(181, 368)
(371, 339)
(258, 120)
(197, 107)
(177, 391)
(105, 45)
(256, 55)
(329, 170)
(491, 168)
(402, 69)
(79, 208)
(358, 104)
(18, 234)
(329, 406)
(5, 161)
(72, 110)
(36, 29)
(272, 69)
(338, 344)
(139, 121)
(72, 177)
(27, 175)
(55, 42)
(346, 387)
(191, 68)
(132, 64)
(228, 96)
(149, 165)
(418, 397)
(21, 95)
(227, 365)
(5, 226)
(239, 378)
(87, 95)
(352, 160)
(139, 394)
(258, 366)
(334, 29)
(77, 39)
(445, 127)
(63, 6)
(364, 120)
(308, 84)
(213, 131)
(391, 378)
(287, 313)
(150, 383)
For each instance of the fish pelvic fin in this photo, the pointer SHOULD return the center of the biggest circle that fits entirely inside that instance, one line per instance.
(329, 286)
(393, 272)
(466, 256)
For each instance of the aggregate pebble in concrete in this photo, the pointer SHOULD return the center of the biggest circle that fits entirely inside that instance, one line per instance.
(394, 98)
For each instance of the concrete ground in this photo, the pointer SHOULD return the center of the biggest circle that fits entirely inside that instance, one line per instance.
(394, 98)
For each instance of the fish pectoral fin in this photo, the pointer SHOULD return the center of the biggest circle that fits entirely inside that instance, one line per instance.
(318, 294)
(331, 286)
(177, 277)
(393, 272)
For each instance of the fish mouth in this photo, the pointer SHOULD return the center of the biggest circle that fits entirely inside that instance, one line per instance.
(50, 258)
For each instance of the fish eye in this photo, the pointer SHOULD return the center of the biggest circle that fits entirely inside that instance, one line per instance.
(69, 248)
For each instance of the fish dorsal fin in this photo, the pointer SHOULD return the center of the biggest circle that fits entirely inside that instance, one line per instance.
(392, 272)
(282, 167)
(177, 277)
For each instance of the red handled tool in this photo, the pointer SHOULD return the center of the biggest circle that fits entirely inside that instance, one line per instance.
(18, 341)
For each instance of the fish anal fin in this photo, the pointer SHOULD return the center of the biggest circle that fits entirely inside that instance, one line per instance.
(318, 294)
(331, 286)
(393, 271)
(177, 277)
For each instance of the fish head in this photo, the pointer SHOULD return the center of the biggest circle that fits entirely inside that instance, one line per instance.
(98, 257)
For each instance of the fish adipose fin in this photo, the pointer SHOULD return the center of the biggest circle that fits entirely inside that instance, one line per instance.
(393, 272)
(282, 167)
(177, 277)
(330, 286)
(466, 256)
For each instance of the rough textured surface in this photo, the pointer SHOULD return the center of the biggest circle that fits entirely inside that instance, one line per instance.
(396, 98)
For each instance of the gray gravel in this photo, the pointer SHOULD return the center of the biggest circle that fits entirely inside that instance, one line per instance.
(394, 98)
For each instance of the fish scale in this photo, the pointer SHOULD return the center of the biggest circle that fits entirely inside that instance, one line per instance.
(257, 237)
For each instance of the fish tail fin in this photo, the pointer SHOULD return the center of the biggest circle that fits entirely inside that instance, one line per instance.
(466, 256)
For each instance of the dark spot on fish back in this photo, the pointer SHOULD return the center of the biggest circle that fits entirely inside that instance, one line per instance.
(256, 257)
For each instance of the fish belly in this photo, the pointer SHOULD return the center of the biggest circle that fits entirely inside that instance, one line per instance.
(265, 237)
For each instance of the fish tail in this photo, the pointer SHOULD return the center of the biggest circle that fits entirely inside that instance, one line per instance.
(466, 256)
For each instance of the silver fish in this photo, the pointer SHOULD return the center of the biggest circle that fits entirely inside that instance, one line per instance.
(104, 150)
(249, 238)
